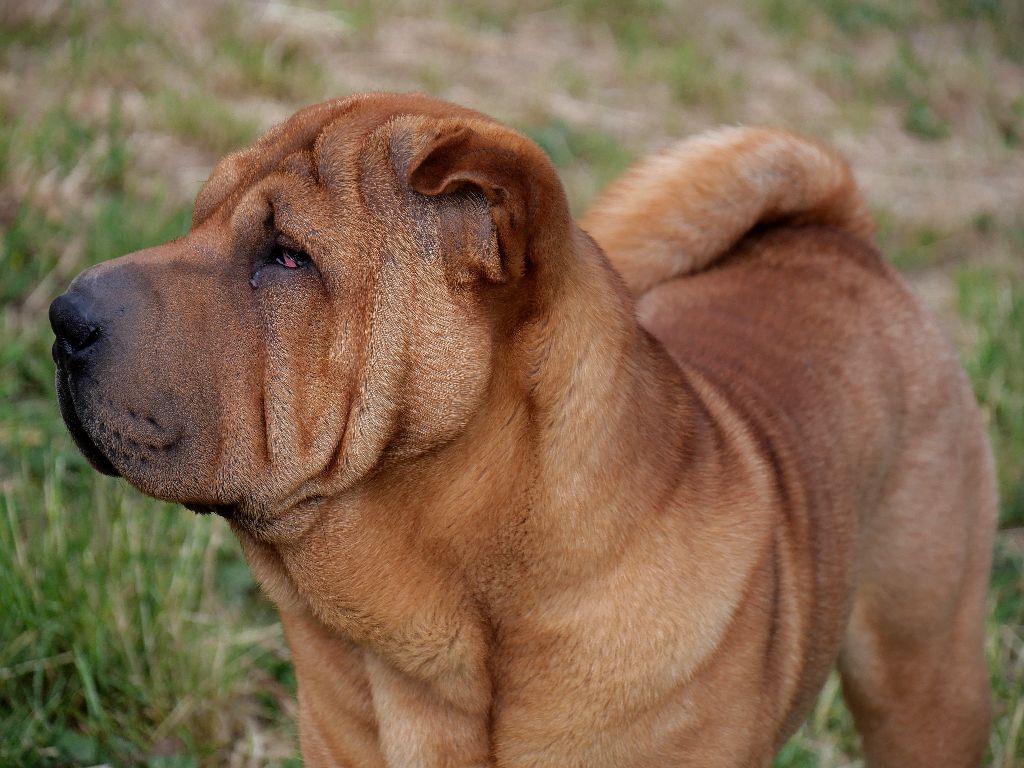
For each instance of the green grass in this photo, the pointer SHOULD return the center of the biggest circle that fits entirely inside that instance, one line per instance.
(691, 75)
(586, 159)
(633, 22)
(911, 247)
(109, 601)
(922, 120)
(872, 57)
(1001, 19)
(847, 17)
(269, 62)
(993, 303)
(1005, 649)
(131, 632)
(202, 119)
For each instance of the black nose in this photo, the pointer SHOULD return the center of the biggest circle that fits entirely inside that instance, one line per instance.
(73, 325)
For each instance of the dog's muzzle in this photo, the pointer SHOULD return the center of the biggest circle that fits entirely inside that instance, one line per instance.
(78, 335)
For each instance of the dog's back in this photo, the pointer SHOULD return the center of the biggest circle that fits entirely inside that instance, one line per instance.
(749, 253)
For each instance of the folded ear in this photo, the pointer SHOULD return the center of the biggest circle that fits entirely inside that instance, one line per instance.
(505, 167)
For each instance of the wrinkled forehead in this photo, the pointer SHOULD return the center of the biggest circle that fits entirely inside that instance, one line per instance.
(305, 132)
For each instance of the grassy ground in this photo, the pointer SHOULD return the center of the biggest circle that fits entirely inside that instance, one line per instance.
(130, 632)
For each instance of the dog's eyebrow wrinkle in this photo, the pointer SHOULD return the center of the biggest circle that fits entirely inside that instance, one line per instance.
(298, 164)
(248, 166)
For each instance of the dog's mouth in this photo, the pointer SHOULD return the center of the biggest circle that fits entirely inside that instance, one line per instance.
(227, 511)
(88, 447)
(83, 442)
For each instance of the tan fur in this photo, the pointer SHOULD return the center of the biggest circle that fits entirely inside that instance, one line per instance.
(508, 524)
(674, 213)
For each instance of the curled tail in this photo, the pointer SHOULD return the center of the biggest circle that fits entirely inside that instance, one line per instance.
(674, 213)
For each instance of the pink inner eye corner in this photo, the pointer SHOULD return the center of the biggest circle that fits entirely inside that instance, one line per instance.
(289, 261)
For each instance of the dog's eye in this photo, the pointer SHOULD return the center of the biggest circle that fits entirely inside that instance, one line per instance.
(289, 258)
(280, 255)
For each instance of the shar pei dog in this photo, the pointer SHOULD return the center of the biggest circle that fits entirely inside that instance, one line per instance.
(529, 491)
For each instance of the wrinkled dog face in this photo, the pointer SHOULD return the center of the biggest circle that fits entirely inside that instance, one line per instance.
(305, 326)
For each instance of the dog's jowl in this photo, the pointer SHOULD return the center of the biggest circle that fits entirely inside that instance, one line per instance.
(533, 492)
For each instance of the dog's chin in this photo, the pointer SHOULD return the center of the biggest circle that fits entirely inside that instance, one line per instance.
(99, 461)
(83, 442)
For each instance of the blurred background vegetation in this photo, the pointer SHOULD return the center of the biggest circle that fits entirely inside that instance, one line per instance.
(130, 631)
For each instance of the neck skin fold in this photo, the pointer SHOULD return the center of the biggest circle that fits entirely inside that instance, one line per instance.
(585, 418)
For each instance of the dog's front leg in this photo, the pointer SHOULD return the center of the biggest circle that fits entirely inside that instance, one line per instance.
(421, 729)
(386, 622)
